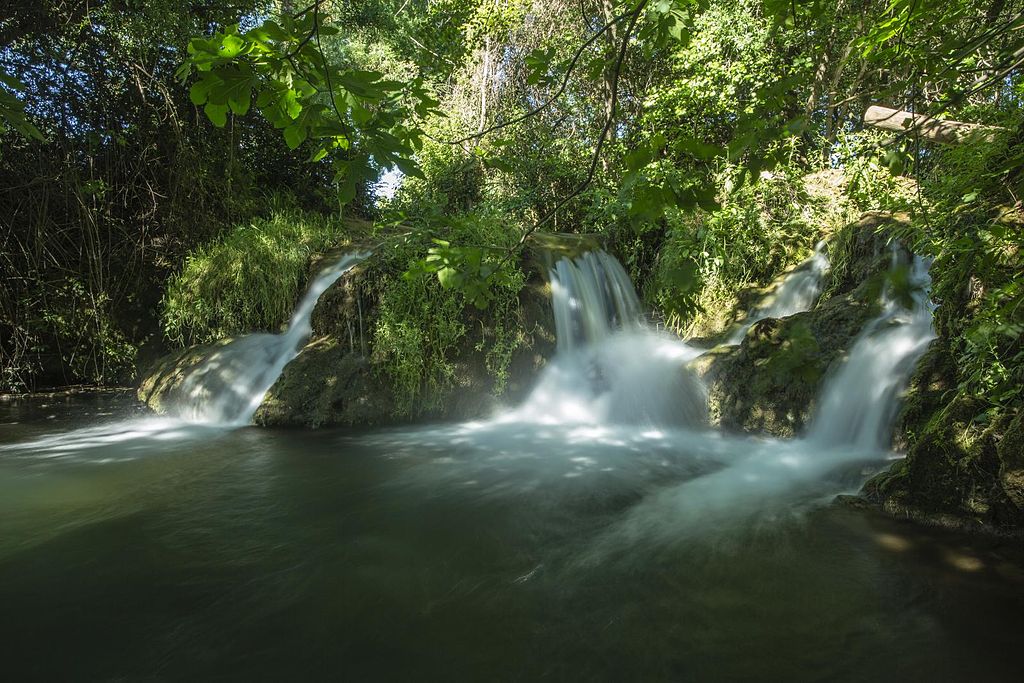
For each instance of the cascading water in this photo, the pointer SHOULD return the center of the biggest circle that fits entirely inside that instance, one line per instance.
(616, 407)
(797, 292)
(859, 402)
(611, 367)
(229, 385)
(591, 297)
(851, 427)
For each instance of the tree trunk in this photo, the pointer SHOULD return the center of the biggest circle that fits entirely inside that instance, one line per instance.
(935, 130)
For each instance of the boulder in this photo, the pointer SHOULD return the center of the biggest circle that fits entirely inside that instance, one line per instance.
(770, 381)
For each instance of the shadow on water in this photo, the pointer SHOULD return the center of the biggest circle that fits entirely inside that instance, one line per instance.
(580, 537)
(483, 550)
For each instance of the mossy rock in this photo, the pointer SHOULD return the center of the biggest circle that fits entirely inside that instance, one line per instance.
(964, 465)
(860, 252)
(544, 249)
(163, 378)
(1011, 462)
(327, 384)
(959, 471)
(769, 382)
(333, 381)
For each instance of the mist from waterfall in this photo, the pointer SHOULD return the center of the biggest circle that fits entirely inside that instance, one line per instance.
(228, 386)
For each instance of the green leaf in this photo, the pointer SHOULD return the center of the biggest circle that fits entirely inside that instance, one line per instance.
(217, 113)
(639, 158)
(240, 104)
(499, 164)
(699, 149)
(232, 45)
(294, 135)
(199, 92)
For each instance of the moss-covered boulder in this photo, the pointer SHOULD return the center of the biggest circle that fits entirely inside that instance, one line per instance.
(336, 380)
(327, 384)
(770, 381)
(962, 469)
(162, 379)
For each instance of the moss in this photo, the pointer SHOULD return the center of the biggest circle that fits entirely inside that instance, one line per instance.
(1011, 461)
(770, 382)
(341, 379)
(859, 255)
(954, 470)
(327, 384)
(546, 248)
(252, 277)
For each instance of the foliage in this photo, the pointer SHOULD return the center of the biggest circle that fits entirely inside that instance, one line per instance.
(351, 116)
(422, 322)
(701, 138)
(710, 256)
(12, 108)
(249, 279)
(975, 230)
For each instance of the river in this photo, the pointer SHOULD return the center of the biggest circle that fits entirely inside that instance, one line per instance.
(141, 548)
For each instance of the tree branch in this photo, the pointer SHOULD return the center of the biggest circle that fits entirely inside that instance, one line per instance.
(635, 13)
(633, 16)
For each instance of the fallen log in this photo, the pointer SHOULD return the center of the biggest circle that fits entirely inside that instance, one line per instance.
(936, 130)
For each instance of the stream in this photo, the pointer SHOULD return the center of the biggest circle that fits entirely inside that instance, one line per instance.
(601, 530)
(151, 549)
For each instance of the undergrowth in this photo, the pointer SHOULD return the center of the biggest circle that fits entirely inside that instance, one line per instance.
(250, 279)
(423, 326)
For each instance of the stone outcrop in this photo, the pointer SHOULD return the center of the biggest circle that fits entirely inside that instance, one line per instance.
(769, 383)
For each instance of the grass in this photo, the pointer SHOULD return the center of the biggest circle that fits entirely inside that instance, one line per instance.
(250, 278)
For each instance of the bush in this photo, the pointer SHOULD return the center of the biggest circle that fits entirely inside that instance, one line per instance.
(250, 279)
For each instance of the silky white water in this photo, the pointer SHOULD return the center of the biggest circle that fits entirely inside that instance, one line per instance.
(229, 385)
(611, 367)
(797, 292)
(859, 402)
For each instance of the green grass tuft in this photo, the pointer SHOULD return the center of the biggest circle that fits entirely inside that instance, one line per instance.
(248, 280)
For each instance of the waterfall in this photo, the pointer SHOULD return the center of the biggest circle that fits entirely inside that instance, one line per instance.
(228, 386)
(858, 403)
(592, 297)
(610, 366)
(797, 292)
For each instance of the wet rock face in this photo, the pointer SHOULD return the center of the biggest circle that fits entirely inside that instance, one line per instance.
(769, 382)
(161, 381)
(327, 384)
(958, 472)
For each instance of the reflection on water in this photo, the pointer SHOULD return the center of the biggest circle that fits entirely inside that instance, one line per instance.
(155, 550)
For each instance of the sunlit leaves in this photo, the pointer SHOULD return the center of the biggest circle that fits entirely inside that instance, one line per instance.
(538, 65)
(353, 118)
(470, 270)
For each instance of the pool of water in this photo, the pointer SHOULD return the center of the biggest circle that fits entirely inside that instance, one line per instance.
(137, 548)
